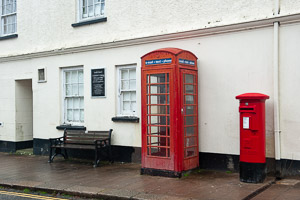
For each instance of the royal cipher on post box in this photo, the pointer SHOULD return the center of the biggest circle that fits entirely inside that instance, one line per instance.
(252, 137)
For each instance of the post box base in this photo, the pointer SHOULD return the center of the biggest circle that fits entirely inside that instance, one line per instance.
(160, 172)
(252, 172)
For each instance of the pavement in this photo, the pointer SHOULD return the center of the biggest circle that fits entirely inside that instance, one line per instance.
(123, 181)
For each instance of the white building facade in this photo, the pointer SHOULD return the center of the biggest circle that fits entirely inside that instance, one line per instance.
(49, 49)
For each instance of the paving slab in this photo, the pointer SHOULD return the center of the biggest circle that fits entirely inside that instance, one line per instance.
(282, 190)
(121, 180)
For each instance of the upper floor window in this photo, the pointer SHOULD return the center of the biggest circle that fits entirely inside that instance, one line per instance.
(90, 9)
(8, 13)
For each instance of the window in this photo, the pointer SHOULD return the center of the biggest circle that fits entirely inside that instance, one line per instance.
(8, 13)
(73, 97)
(41, 75)
(90, 9)
(127, 91)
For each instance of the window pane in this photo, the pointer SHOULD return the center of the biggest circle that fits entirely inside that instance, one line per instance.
(102, 7)
(74, 77)
(68, 90)
(75, 89)
(81, 115)
(97, 9)
(69, 115)
(125, 85)
(126, 96)
(80, 89)
(133, 106)
(189, 110)
(124, 74)
(126, 106)
(81, 103)
(189, 131)
(158, 99)
(191, 141)
(69, 103)
(132, 74)
(76, 103)
(157, 78)
(90, 2)
(156, 89)
(76, 115)
(189, 99)
(68, 77)
(189, 89)
(132, 84)
(80, 74)
(133, 96)
(189, 120)
(189, 78)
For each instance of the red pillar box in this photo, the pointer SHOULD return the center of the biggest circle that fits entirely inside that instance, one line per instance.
(252, 137)
(169, 112)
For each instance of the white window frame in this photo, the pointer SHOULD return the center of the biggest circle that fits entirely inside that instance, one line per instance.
(64, 104)
(2, 16)
(119, 90)
(87, 18)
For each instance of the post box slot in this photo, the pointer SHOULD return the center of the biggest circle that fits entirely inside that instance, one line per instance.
(247, 109)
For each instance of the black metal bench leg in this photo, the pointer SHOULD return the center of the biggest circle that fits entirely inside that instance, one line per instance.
(96, 162)
(110, 154)
(50, 156)
(65, 155)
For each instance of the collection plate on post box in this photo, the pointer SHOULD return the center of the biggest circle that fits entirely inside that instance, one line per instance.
(98, 82)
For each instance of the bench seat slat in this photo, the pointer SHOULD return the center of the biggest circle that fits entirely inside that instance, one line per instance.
(74, 146)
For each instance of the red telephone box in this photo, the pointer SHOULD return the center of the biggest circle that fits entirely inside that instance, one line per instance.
(169, 112)
(252, 137)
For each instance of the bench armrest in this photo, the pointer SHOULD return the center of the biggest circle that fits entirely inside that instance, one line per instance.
(56, 141)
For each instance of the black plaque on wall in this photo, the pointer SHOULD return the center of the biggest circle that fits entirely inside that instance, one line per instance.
(98, 82)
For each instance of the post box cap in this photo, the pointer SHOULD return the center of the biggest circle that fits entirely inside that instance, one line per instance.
(252, 96)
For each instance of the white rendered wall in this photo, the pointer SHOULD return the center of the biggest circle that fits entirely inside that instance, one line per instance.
(229, 64)
(7, 106)
(289, 91)
(44, 25)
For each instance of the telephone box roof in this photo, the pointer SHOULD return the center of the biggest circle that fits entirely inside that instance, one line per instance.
(171, 50)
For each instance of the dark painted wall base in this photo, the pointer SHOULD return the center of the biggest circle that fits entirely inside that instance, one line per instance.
(252, 172)
(159, 172)
(228, 162)
(6, 146)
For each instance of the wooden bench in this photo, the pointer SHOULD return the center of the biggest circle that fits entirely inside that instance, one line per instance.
(79, 139)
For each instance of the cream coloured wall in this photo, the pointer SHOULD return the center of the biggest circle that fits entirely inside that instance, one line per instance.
(7, 106)
(229, 64)
(289, 92)
(46, 25)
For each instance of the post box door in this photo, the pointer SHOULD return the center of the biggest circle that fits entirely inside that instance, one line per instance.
(157, 111)
(189, 116)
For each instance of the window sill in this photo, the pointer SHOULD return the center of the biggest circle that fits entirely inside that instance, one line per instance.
(126, 119)
(93, 21)
(69, 127)
(8, 37)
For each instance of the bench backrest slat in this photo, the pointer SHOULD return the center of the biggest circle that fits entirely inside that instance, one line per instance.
(80, 137)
